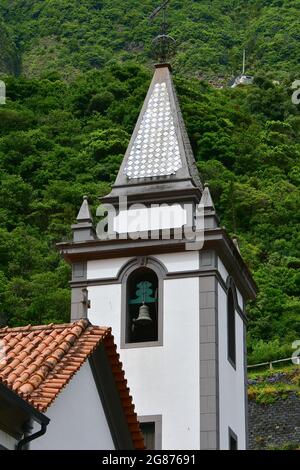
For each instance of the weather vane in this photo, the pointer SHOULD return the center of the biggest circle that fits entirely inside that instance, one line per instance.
(164, 45)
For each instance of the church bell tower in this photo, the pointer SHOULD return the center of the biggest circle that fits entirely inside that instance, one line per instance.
(171, 284)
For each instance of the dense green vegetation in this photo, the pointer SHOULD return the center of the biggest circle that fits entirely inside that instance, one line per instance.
(9, 61)
(70, 113)
(77, 35)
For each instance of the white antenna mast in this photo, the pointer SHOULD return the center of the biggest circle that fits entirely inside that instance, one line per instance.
(244, 61)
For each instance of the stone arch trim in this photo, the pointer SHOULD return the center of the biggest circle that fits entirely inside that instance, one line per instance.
(123, 275)
(231, 285)
(142, 261)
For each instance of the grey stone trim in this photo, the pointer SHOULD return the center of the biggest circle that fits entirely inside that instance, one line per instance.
(79, 271)
(83, 231)
(155, 193)
(168, 275)
(95, 282)
(142, 261)
(215, 239)
(84, 228)
(157, 420)
(209, 414)
(231, 433)
(78, 284)
(79, 303)
(125, 272)
(207, 258)
(205, 271)
(231, 285)
(145, 344)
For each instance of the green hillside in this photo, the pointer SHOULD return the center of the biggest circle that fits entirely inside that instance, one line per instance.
(83, 34)
(9, 61)
(76, 76)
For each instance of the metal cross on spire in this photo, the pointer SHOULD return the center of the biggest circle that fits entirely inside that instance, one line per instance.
(164, 44)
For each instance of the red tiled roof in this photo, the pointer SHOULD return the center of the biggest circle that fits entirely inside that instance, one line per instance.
(38, 361)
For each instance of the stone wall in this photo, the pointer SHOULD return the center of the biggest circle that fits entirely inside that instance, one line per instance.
(275, 424)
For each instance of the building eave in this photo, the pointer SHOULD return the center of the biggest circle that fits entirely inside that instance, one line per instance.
(18, 413)
(216, 239)
(155, 192)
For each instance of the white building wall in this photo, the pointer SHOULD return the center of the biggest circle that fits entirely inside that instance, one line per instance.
(224, 274)
(104, 268)
(163, 380)
(78, 421)
(7, 441)
(222, 270)
(231, 381)
(240, 299)
(140, 218)
(185, 261)
(175, 365)
(174, 262)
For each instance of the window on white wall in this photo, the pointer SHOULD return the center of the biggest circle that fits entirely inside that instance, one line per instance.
(148, 430)
(231, 339)
(151, 427)
(142, 303)
(233, 440)
(142, 306)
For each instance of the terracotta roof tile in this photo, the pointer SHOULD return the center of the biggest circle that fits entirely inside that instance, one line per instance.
(40, 360)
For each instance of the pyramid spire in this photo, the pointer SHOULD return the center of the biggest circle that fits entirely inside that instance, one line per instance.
(211, 219)
(206, 198)
(159, 157)
(84, 228)
(84, 214)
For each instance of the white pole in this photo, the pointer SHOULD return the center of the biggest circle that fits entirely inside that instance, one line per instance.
(2, 92)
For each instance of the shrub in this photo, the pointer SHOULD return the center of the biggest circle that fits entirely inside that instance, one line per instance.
(266, 351)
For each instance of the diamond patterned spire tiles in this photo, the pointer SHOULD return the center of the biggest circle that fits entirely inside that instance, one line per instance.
(155, 151)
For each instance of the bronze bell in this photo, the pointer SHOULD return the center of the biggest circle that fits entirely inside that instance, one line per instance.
(144, 317)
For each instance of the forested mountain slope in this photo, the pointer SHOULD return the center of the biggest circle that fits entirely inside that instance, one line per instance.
(9, 60)
(72, 105)
(77, 35)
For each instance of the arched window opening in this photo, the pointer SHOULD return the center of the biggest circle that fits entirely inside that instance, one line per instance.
(142, 306)
(231, 327)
